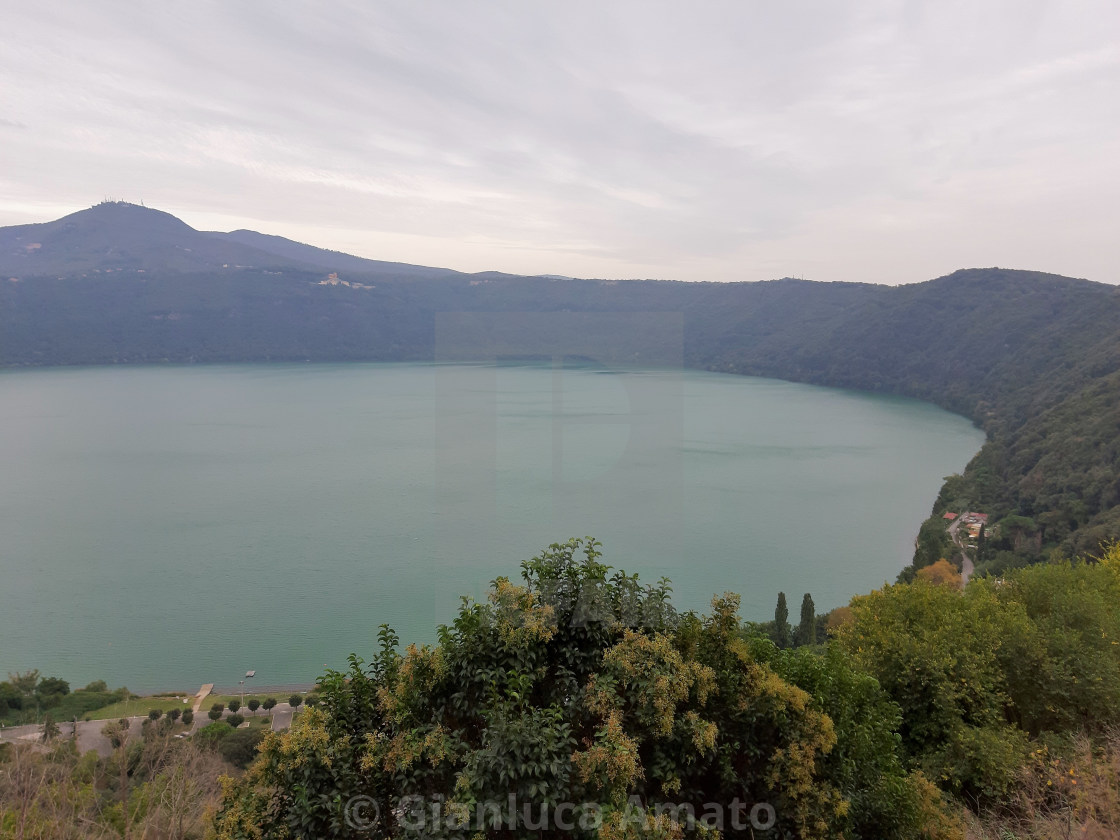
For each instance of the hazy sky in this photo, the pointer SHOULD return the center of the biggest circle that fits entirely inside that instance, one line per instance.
(878, 141)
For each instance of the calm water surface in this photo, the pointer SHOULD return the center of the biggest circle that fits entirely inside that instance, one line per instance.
(165, 527)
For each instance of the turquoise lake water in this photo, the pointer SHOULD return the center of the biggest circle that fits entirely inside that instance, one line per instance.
(162, 527)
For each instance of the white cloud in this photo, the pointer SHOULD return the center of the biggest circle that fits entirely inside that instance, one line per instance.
(882, 141)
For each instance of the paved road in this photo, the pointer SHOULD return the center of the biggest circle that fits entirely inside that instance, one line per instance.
(281, 717)
(90, 737)
(89, 733)
(967, 567)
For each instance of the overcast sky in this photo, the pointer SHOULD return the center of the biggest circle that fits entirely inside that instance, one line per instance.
(888, 142)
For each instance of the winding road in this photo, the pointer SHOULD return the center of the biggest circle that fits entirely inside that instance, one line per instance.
(967, 567)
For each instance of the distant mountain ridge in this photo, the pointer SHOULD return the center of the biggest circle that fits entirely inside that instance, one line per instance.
(1033, 358)
(337, 261)
(117, 235)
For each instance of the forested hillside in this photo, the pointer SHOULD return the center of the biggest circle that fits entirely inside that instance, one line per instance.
(1032, 358)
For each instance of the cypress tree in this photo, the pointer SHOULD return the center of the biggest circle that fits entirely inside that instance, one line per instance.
(807, 629)
(781, 623)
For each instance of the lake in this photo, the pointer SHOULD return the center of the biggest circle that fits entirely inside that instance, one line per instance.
(162, 527)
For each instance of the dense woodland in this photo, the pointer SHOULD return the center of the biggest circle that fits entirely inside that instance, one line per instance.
(1033, 359)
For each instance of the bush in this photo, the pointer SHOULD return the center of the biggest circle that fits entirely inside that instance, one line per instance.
(79, 703)
(234, 705)
(50, 729)
(294, 701)
(213, 733)
(312, 700)
(116, 732)
(155, 714)
(174, 714)
(10, 698)
(215, 713)
(268, 704)
(51, 690)
(235, 720)
(239, 746)
(188, 717)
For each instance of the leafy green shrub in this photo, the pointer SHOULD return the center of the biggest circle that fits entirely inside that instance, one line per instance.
(239, 747)
(77, 704)
(235, 720)
(50, 691)
(977, 674)
(10, 697)
(212, 733)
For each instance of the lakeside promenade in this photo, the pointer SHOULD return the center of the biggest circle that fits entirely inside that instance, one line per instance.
(90, 737)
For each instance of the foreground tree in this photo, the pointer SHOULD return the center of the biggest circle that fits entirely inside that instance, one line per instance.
(582, 687)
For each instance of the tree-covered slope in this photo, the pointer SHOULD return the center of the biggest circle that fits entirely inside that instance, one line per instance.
(1031, 357)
